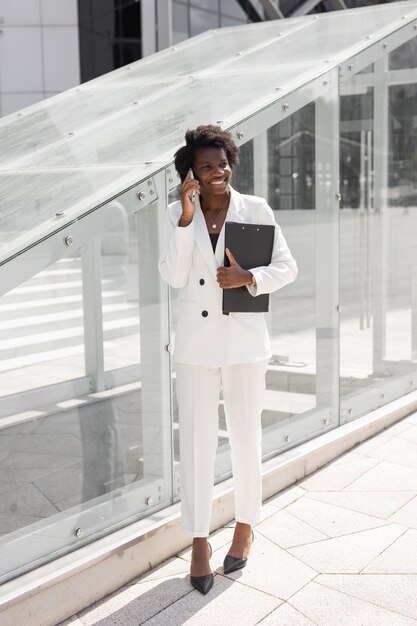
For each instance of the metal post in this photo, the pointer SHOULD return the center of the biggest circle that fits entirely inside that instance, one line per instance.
(148, 27)
(260, 165)
(379, 241)
(93, 312)
(154, 344)
(327, 253)
(164, 21)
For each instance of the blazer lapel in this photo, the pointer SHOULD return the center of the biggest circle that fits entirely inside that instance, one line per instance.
(202, 238)
(232, 215)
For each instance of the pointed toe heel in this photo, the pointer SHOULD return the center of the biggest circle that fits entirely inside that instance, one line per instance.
(203, 584)
(233, 563)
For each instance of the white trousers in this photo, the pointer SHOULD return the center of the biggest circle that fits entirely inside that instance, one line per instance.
(198, 389)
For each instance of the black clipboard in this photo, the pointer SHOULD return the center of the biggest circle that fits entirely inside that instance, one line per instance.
(251, 245)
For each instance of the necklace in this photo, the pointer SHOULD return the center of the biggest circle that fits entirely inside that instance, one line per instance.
(214, 223)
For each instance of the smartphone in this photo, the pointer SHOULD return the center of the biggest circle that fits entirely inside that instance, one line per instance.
(193, 193)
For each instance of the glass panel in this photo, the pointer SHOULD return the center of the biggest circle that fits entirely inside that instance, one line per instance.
(230, 21)
(34, 197)
(201, 21)
(85, 447)
(179, 22)
(377, 226)
(299, 155)
(233, 9)
(41, 326)
(405, 56)
(302, 380)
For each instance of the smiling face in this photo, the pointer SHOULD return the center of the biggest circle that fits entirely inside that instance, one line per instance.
(212, 170)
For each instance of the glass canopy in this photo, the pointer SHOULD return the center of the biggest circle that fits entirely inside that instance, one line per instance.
(71, 153)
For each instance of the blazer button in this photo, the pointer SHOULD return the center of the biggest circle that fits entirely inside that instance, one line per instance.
(201, 281)
(204, 313)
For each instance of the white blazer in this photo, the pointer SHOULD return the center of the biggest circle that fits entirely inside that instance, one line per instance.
(204, 336)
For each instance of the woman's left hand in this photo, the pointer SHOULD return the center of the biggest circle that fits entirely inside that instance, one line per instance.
(233, 276)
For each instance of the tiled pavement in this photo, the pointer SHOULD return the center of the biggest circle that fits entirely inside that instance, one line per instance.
(339, 548)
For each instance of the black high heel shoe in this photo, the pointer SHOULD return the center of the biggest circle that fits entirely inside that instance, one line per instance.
(232, 563)
(203, 584)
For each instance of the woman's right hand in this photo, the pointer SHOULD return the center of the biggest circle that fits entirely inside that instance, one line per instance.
(188, 206)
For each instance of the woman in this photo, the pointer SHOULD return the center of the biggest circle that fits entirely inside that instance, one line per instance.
(214, 351)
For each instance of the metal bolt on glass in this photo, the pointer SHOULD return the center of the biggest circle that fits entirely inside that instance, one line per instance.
(338, 197)
(385, 44)
(69, 240)
(240, 135)
(287, 438)
(168, 347)
(141, 195)
(149, 182)
(285, 106)
(79, 532)
(350, 67)
(149, 501)
(59, 213)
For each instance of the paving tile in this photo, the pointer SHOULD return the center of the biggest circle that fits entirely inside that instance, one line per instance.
(284, 498)
(4, 454)
(386, 476)
(172, 567)
(286, 615)
(380, 504)
(398, 451)
(393, 592)
(286, 530)
(327, 607)
(410, 434)
(30, 460)
(398, 558)
(349, 553)
(402, 425)
(10, 522)
(332, 520)
(137, 603)
(406, 515)
(22, 476)
(335, 477)
(26, 500)
(367, 447)
(62, 484)
(71, 621)
(348, 457)
(273, 570)
(227, 603)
